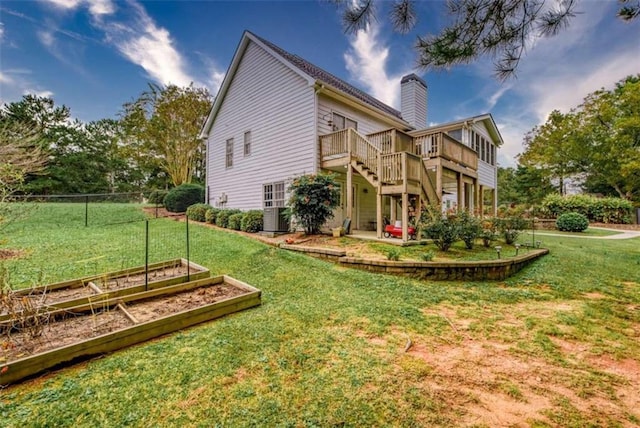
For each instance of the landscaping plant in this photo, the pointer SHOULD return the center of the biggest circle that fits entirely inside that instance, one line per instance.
(211, 214)
(443, 230)
(235, 221)
(198, 212)
(222, 218)
(510, 227)
(470, 228)
(312, 201)
(252, 221)
(181, 197)
(572, 222)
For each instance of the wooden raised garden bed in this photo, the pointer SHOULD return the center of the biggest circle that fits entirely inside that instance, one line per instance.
(96, 288)
(89, 329)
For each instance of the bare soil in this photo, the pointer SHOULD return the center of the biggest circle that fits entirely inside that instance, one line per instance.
(8, 253)
(50, 297)
(78, 327)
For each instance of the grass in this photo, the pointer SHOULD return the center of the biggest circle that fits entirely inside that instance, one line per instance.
(589, 232)
(327, 345)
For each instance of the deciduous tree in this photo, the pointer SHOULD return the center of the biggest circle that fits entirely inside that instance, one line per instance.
(162, 128)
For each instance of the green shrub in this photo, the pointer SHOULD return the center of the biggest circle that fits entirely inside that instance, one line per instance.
(235, 221)
(312, 200)
(181, 197)
(393, 254)
(604, 210)
(222, 219)
(443, 230)
(427, 256)
(198, 212)
(252, 221)
(211, 214)
(470, 228)
(510, 227)
(572, 222)
(156, 197)
(487, 236)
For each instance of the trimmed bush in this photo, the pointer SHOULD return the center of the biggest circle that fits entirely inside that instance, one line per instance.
(572, 222)
(603, 210)
(211, 214)
(198, 212)
(156, 197)
(235, 221)
(222, 219)
(252, 221)
(181, 197)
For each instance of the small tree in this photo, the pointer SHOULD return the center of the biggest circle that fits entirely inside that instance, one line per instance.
(313, 199)
(470, 228)
(510, 227)
(20, 157)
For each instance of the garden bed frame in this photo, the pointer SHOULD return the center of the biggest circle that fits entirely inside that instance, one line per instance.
(19, 369)
(99, 295)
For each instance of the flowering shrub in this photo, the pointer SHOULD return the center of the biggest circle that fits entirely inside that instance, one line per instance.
(313, 198)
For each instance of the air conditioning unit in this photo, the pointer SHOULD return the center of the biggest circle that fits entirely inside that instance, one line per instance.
(274, 220)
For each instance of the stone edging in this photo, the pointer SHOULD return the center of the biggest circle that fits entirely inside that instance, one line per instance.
(440, 271)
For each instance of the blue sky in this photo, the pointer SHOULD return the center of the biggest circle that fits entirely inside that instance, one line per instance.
(95, 55)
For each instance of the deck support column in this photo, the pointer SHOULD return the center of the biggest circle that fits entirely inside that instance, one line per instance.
(494, 201)
(460, 191)
(350, 194)
(480, 200)
(379, 220)
(405, 217)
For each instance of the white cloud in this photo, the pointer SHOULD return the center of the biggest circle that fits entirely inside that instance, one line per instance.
(97, 8)
(142, 42)
(46, 38)
(1, 31)
(38, 92)
(560, 71)
(215, 81)
(366, 62)
(4, 78)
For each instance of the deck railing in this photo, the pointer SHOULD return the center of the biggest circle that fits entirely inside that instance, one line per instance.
(391, 165)
(363, 151)
(383, 140)
(333, 144)
(440, 144)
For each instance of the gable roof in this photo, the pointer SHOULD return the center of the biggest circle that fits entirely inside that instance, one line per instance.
(486, 119)
(307, 70)
(325, 77)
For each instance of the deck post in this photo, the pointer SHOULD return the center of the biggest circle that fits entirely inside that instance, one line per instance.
(460, 190)
(394, 210)
(380, 222)
(494, 201)
(350, 195)
(405, 216)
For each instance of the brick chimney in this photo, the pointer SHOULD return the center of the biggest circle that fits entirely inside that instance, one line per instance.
(413, 94)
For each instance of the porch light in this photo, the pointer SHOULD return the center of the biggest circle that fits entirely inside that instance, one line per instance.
(498, 249)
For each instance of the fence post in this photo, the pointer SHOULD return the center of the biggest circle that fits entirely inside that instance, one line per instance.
(146, 255)
(188, 260)
(86, 210)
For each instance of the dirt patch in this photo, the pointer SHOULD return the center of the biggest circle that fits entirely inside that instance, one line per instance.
(8, 254)
(72, 328)
(485, 379)
(594, 296)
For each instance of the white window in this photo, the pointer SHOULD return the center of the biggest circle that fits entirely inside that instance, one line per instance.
(247, 143)
(343, 122)
(229, 153)
(273, 194)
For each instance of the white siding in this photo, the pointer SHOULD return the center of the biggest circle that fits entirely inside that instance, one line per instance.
(486, 174)
(366, 123)
(277, 106)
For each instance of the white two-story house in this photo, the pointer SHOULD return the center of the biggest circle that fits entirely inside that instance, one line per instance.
(277, 116)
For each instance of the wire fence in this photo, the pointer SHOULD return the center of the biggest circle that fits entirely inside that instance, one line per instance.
(59, 242)
(90, 209)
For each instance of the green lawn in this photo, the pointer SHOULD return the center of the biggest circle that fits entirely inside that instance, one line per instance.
(555, 345)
